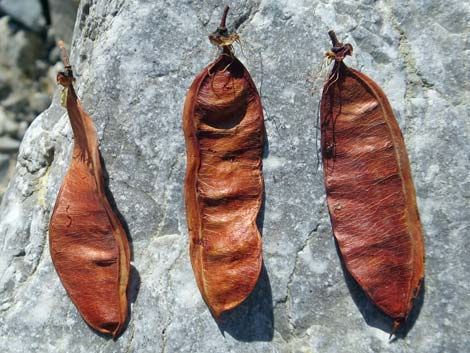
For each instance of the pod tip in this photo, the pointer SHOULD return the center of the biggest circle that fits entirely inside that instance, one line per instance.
(396, 326)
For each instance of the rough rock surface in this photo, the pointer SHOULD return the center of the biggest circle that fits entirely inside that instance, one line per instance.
(135, 61)
(63, 14)
(28, 12)
(27, 75)
(25, 88)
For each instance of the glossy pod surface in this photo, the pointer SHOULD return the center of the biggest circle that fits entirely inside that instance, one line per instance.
(88, 244)
(370, 193)
(224, 131)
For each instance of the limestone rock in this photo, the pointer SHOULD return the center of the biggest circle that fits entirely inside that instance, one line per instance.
(134, 63)
(63, 14)
(25, 87)
(19, 48)
(27, 12)
(7, 144)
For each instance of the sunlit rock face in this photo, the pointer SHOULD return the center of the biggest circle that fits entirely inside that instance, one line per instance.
(134, 62)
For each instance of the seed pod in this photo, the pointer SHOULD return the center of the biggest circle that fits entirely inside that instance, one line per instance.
(88, 244)
(224, 131)
(370, 193)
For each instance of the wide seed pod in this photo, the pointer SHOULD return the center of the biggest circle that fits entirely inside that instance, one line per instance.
(224, 131)
(89, 247)
(370, 193)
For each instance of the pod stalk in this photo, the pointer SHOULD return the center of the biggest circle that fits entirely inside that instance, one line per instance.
(224, 17)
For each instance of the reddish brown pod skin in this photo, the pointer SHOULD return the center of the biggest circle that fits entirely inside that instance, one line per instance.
(224, 131)
(370, 193)
(89, 247)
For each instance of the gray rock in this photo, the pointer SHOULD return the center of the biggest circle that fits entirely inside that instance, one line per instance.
(134, 63)
(63, 14)
(11, 127)
(8, 145)
(7, 167)
(4, 163)
(20, 130)
(3, 120)
(39, 101)
(5, 88)
(20, 49)
(25, 85)
(54, 55)
(28, 12)
(17, 103)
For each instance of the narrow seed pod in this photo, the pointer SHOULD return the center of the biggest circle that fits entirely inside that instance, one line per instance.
(224, 131)
(89, 247)
(370, 193)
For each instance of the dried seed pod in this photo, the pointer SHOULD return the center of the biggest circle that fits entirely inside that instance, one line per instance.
(224, 131)
(370, 193)
(89, 247)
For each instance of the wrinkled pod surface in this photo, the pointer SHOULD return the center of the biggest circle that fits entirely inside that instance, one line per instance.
(224, 131)
(370, 193)
(89, 247)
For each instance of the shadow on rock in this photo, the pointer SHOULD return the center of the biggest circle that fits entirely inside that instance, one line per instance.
(260, 218)
(253, 320)
(133, 286)
(374, 316)
(132, 291)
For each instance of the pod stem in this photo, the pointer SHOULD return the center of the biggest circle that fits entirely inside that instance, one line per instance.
(224, 17)
(339, 49)
(63, 54)
(221, 38)
(65, 59)
(334, 39)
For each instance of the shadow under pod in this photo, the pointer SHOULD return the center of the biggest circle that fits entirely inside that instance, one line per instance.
(252, 320)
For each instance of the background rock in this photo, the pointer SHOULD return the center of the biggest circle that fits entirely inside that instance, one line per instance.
(134, 62)
(63, 14)
(27, 12)
(27, 52)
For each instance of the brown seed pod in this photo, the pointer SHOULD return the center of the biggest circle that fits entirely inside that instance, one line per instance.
(224, 131)
(370, 193)
(89, 247)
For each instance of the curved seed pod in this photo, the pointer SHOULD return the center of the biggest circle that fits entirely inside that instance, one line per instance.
(224, 131)
(88, 244)
(370, 193)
